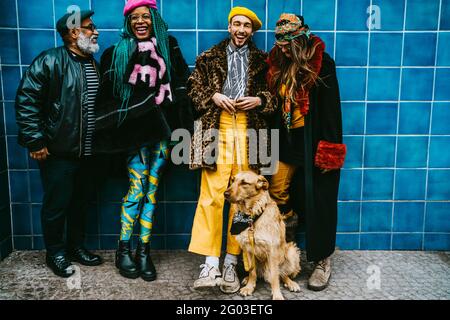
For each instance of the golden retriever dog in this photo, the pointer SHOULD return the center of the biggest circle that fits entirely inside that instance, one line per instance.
(273, 257)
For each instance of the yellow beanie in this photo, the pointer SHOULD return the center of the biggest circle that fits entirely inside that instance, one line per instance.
(242, 11)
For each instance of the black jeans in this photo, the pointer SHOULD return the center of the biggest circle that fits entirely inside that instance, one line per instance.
(69, 184)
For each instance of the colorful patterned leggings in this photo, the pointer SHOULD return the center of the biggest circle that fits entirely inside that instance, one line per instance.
(144, 171)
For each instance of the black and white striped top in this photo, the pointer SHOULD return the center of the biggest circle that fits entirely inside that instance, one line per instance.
(92, 88)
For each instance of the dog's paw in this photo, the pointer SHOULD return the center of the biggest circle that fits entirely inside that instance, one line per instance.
(277, 296)
(244, 281)
(246, 291)
(292, 286)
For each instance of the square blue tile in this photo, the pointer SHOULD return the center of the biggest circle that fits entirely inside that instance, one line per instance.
(276, 8)
(180, 217)
(318, 13)
(422, 15)
(21, 216)
(392, 12)
(353, 117)
(437, 217)
(406, 241)
(376, 216)
(17, 155)
(258, 7)
(412, 152)
(383, 84)
(36, 189)
(385, 49)
(381, 118)
(108, 14)
(348, 216)
(109, 242)
(347, 241)
(378, 184)
(437, 241)
(35, 14)
(62, 6)
(110, 218)
(372, 155)
(375, 241)
(8, 20)
(441, 118)
(208, 39)
(353, 158)
(417, 84)
(22, 242)
(413, 53)
(352, 15)
(11, 79)
(445, 17)
(9, 53)
(408, 216)
(3, 159)
(438, 185)
(10, 119)
(181, 14)
(92, 219)
(410, 122)
(352, 83)
(410, 184)
(438, 157)
(188, 191)
(32, 43)
(159, 219)
(351, 49)
(36, 218)
(19, 186)
(443, 54)
(218, 20)
(350, 184)
(442, 85)
(178, 242)
(187, 42)
(259, 39)
(38, 243)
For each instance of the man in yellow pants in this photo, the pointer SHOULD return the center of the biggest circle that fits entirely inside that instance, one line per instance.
(229, 92)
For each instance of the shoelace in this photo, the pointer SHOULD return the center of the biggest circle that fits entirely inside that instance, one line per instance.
(61, 262)
(229, 271)
(205, 270)
(321, 265)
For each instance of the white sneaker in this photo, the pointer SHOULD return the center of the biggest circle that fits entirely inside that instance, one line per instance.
(230, 280)
(210, 276)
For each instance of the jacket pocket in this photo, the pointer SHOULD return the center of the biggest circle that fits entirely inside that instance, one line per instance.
(53, 120)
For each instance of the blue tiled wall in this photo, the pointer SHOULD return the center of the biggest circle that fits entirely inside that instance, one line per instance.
(5, 211)
(395, 88)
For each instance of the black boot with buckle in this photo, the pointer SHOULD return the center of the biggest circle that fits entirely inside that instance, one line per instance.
(144, 262)
(124, 261)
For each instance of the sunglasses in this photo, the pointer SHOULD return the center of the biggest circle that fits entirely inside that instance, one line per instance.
(136, 18)
(91, 27)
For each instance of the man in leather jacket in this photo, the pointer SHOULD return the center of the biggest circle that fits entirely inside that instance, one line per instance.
(55, 115)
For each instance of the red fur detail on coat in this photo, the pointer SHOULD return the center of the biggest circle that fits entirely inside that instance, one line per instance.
(330, 155)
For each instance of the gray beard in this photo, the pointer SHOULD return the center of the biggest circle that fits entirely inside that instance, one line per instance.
(86, 46)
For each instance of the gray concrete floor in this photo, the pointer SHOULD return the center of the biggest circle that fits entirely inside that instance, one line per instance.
(356, 275)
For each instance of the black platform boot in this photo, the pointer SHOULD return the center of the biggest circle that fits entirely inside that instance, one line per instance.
(124, 261)
(144, 262)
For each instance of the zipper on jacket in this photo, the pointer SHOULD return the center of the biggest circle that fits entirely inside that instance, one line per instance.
(81, 109)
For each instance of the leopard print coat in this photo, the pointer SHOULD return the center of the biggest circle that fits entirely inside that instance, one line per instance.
(208, 78)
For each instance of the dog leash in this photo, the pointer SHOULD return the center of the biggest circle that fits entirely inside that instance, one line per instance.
(236, 142)
(251, 238)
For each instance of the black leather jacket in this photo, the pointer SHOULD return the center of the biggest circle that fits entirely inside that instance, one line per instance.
(49, 104)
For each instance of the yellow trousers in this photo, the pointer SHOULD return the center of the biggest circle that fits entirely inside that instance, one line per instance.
(281, 181)
(207, 228)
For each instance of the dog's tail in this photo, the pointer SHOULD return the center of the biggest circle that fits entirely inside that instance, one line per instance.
(291, 265)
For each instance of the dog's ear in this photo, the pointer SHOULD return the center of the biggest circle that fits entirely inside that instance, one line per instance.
(262, 183)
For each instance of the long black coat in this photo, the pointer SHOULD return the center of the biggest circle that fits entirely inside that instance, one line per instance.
(313, 193)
